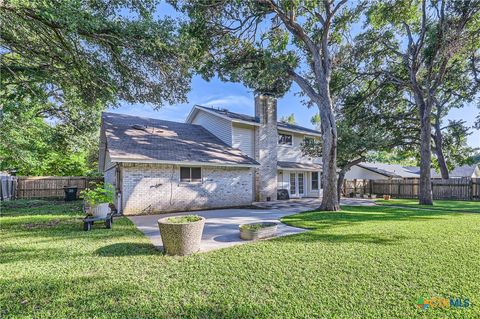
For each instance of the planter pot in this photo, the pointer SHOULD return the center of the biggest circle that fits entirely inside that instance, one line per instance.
(373, 196)
(100, 210)
(386, 197)
(267, 230)
(181, 239)
(358, 195)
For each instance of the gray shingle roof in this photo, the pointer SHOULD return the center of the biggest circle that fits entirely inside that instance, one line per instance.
(163, 141)
(248, 118)
(395, 170)
(463, 171)
(295, 165)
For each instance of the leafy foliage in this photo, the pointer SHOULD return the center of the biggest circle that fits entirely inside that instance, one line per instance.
(290, 119)
(63, 62)
(98, 195)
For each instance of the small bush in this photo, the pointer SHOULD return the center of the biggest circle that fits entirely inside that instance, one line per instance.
(184, 219)
(99, 194)
(254, 227)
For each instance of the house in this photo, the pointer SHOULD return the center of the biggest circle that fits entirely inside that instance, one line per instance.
(393, 171)
(472, 171)
(217, 158)
(366, 170)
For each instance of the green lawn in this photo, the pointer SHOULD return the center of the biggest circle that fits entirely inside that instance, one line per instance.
(446, 205)
(363, 262)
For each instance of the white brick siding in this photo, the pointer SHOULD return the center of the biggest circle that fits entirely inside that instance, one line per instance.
(156, 188)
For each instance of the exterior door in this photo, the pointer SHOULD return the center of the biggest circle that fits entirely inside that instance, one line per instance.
(301, 184)
(297, 184)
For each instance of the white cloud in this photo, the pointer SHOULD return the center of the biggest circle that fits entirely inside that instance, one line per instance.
(234, 103)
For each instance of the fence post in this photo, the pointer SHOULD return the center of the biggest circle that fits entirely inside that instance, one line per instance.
(471, 188)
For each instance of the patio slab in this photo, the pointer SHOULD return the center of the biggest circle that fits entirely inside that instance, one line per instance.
(221, 226)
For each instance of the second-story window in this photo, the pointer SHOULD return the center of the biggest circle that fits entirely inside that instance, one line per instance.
(285, 139)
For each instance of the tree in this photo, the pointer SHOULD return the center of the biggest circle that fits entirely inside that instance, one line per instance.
(267, 44)
(32, 144)
(457, 89)
(63, 62)
(426, 38)
(290, 119)
(373, 117)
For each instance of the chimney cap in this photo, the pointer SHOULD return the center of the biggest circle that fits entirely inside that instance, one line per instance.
(257, 93)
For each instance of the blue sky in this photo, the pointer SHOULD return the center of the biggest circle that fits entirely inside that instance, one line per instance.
(238, 98)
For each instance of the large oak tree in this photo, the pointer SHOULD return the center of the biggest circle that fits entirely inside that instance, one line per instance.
(417, 43)
(267, 44)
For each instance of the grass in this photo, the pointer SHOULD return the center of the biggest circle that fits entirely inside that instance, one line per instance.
(363, 262)
(184, 219)
(445, 205)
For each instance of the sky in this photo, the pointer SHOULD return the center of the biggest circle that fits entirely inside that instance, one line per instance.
(237, 98)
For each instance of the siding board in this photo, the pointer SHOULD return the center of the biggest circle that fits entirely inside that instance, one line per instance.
(219, 127)
(243, 139)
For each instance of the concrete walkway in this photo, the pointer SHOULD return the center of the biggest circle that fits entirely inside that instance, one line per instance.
(221, 226)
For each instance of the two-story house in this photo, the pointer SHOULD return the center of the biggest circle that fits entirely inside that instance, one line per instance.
(217, 158)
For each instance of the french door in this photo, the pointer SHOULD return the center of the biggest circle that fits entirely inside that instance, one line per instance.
(297, 184)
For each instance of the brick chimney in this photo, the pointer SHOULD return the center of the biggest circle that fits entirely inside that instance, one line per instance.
(266, 139)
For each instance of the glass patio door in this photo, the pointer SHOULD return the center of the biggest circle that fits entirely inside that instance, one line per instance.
(297, 184)
(301, 184)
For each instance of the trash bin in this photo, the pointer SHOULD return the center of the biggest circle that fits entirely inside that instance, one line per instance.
(70, 193)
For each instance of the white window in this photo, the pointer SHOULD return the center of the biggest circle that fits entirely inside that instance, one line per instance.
(285, 139)
(190, 174)
(314, 180)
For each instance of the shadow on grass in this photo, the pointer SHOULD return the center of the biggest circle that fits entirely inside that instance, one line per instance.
(358, 214)
(315, 236)
(127, 249)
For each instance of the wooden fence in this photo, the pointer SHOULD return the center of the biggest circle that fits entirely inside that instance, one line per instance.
(454, 188)
(8, 187)
(51, 186)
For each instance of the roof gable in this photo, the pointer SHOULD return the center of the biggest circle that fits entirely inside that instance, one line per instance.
(248, 119)
(145, 140)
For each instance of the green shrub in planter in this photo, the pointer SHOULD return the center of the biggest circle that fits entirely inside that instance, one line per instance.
(98, 200)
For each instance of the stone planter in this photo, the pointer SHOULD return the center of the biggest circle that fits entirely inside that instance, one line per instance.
(373, 196)
(386, 197)
(264, 230)
(181, 238)
(358, 195)
(100, 210)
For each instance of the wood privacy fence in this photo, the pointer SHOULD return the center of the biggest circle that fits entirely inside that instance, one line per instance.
(51, 186)
(454, 188)
(8, 187)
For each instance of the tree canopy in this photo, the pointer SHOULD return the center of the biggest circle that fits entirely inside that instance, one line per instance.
(63, 62)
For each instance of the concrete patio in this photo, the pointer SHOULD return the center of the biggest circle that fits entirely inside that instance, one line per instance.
(221, 227)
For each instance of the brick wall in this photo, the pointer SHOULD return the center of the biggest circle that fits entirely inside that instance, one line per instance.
(155, 188)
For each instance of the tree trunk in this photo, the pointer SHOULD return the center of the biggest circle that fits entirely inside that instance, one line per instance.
(425, 192)
(439, 151)
(341, 178)
(343, 172)
(330, 200)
